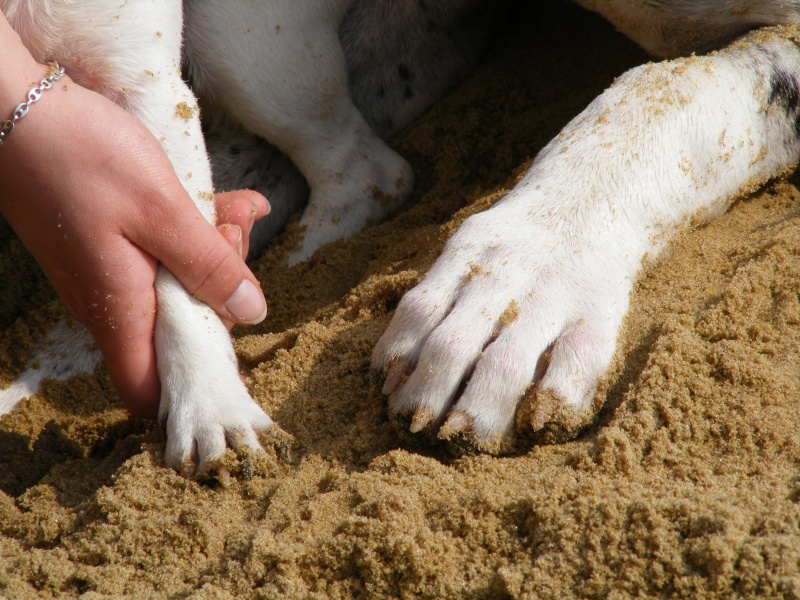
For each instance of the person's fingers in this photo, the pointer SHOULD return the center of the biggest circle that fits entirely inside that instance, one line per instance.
(202, 260)
(242, 208)
(227, 201)
(234, 236)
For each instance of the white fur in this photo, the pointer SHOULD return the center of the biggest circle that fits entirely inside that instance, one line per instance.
(665, 142)
(669, 28)
(68, 350)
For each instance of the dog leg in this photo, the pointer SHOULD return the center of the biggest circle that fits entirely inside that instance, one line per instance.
(401, 58)
(279, 68)
(204, 403)
(67, 351)
(528, 297)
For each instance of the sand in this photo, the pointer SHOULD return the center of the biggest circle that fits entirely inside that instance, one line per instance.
(688, 484)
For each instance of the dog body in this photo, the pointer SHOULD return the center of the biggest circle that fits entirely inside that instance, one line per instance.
(532, 291)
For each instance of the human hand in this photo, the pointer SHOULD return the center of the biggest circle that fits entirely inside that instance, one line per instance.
(94, 198)
(236, 213)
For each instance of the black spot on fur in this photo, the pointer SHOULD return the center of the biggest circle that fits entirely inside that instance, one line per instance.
(408, 93)
(404, 73)
(785, 92)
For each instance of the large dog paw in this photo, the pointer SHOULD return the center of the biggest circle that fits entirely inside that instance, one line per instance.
(510, 331)
(527, 298)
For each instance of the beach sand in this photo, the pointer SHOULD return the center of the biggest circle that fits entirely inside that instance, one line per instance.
(688, 484)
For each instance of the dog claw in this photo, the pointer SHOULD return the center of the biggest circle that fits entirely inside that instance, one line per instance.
(457, 422)
(397, 372)
(546, 418)
(422, 418)
(544, 411)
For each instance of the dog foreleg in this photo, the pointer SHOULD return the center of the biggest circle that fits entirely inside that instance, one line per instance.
(528, 297)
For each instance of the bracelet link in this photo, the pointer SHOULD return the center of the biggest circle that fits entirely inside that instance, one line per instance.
(20, 111)
(6, 127)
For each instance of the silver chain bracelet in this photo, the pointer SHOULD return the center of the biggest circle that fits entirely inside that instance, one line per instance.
(56, 72)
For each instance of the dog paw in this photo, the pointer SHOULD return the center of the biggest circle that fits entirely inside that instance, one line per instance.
(218, 416)
(370, 188)
(510, 332)
(205, 406)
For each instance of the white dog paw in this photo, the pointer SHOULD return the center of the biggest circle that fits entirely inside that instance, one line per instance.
(374, 183)
(514, 308)
(527, 299)
(205, 406)
(216, 418)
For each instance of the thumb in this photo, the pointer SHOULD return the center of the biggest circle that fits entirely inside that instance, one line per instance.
(207, 266)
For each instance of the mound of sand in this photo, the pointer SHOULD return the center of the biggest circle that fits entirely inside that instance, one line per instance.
(688, 485)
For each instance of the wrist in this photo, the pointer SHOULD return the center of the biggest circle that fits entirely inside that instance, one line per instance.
(19, 71)
(34, 94)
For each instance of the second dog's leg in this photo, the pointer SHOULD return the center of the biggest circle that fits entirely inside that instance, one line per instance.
(278, 67)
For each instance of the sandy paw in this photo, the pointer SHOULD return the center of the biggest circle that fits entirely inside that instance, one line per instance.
(505, 340)
(199, 432)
